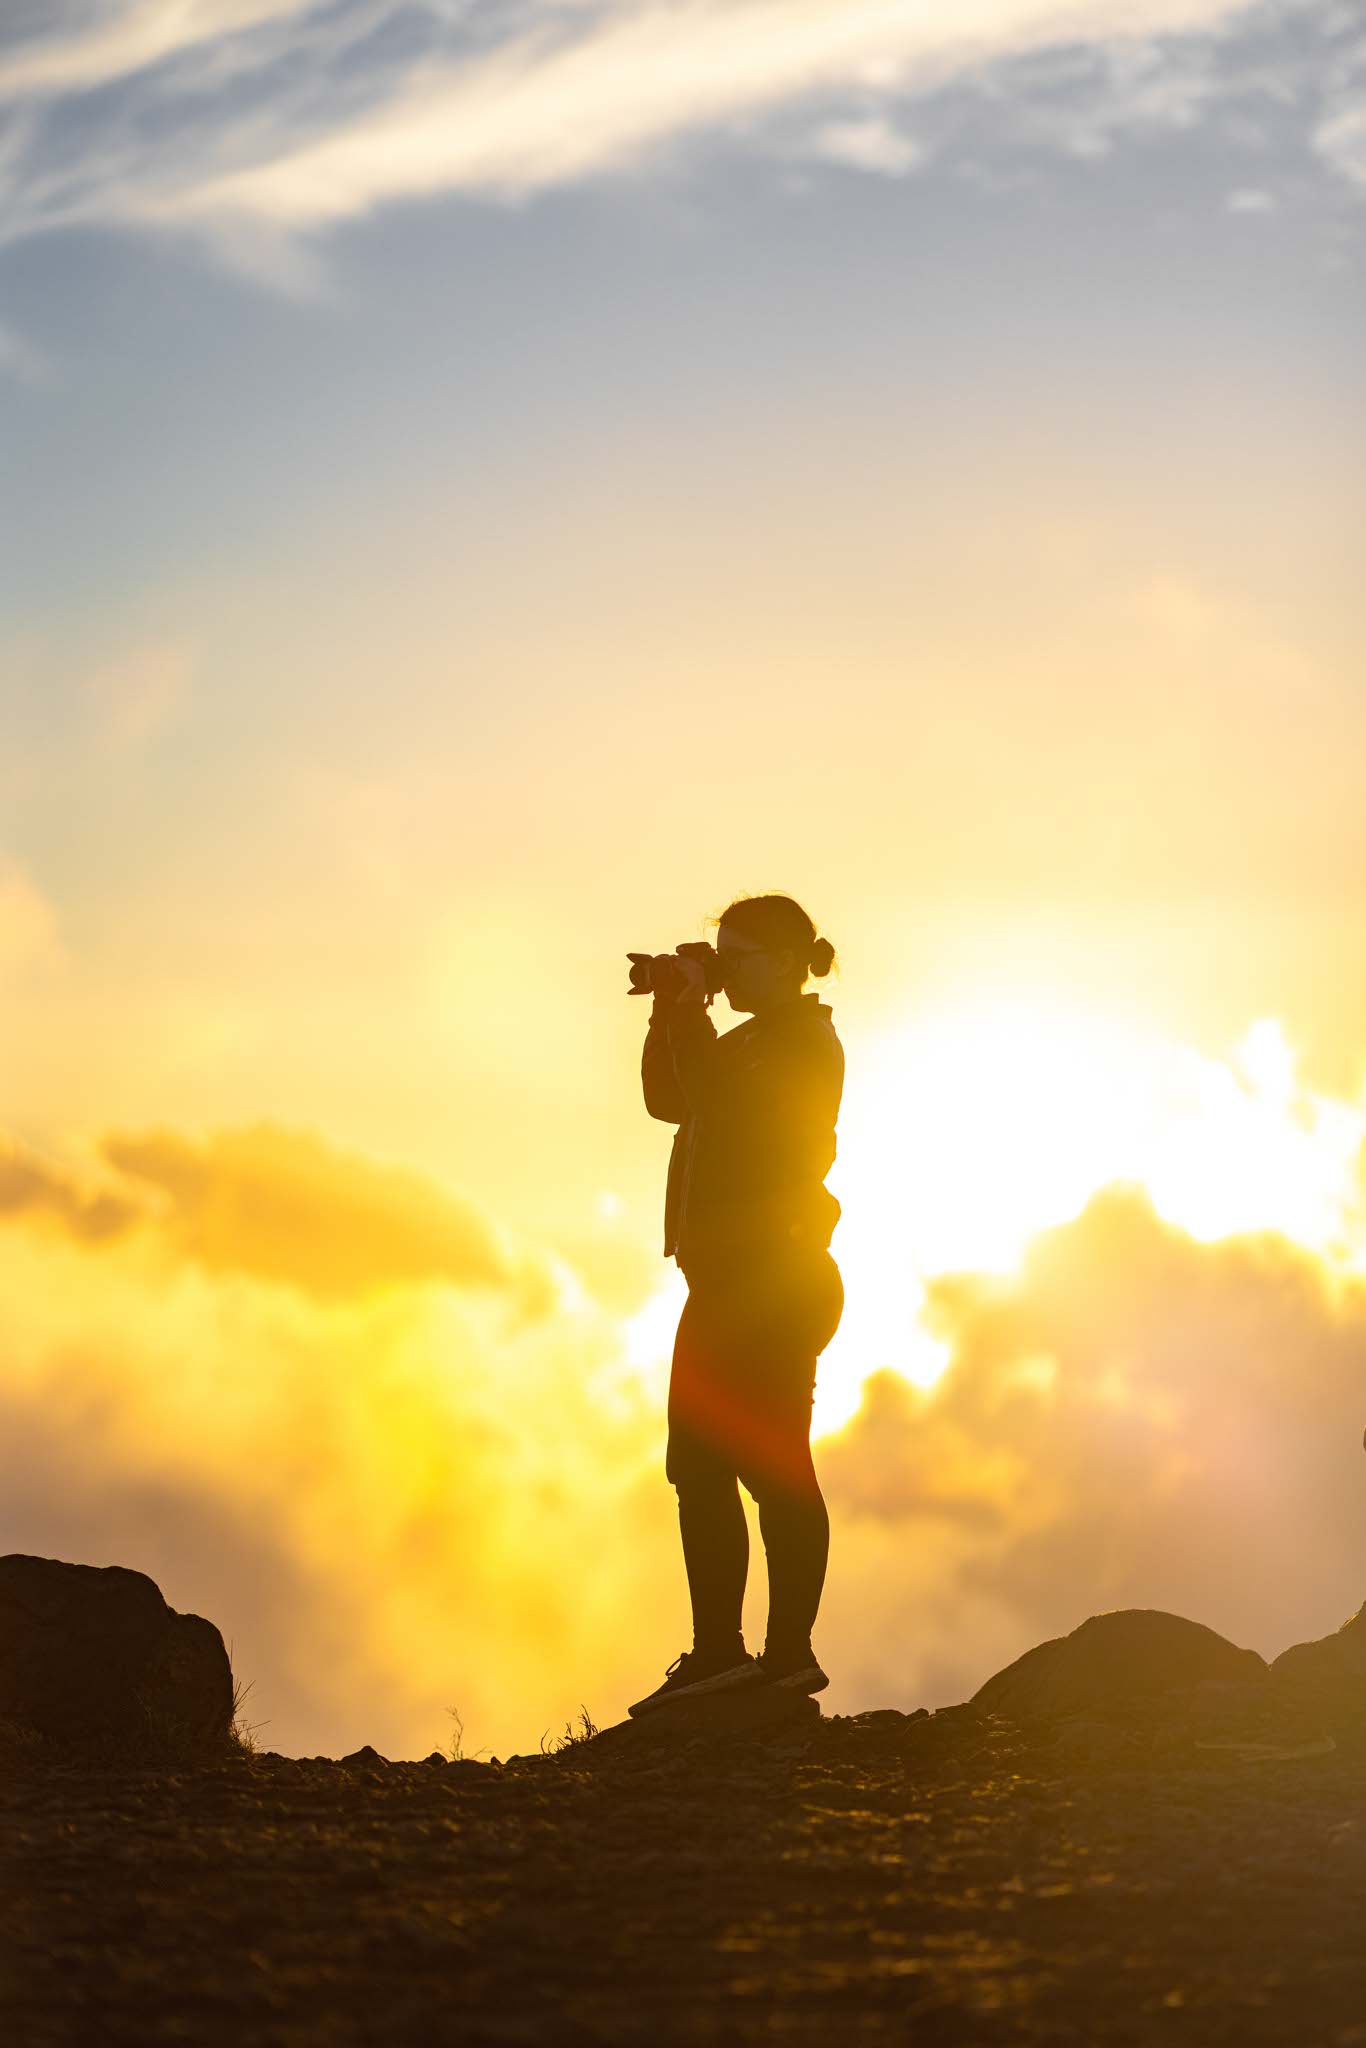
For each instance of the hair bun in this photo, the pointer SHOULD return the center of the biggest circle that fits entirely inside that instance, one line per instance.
(822, 956)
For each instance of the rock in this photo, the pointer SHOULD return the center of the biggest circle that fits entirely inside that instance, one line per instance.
(1111, 1659)
(365, 1759)
(1217, 1698)
(91, 1655)
(1087, 1741)
(1327, 1676)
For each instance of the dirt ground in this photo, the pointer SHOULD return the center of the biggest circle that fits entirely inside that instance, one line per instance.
(931, 1878)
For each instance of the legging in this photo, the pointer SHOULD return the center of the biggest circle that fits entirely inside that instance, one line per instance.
(741, 1387)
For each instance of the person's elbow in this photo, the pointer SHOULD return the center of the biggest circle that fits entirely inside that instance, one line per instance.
(664, 1106)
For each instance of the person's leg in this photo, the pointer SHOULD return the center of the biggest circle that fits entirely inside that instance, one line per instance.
(795, 1524)
(711, 1515)
(793, 1518)
(711, 1521)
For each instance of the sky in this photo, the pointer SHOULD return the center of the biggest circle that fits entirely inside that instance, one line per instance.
(484, 486)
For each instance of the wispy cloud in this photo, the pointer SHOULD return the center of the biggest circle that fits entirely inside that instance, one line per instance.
(76, 50)
(272, 118)
(1341, 141)
(20, 360)
(870, 144)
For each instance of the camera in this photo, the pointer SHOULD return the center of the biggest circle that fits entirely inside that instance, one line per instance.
(642, 967)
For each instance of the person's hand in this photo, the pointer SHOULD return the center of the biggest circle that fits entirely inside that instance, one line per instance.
(676, 980)
(695, 989)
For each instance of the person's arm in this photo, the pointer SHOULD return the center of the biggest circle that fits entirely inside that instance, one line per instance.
(692, 1040)
(677, 1063)
(663, 1096)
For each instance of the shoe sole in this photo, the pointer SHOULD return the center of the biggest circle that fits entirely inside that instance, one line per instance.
(810, 1680)
(720, 1681)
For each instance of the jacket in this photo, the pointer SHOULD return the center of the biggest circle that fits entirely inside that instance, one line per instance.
(756, 1111)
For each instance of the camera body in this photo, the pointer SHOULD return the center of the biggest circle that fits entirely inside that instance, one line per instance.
(643, 967)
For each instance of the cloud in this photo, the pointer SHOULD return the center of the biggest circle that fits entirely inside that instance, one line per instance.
(1251, 199)
(390, 1505)
(1134, 1419)
(76, 54)
(285, 1205)
(871, 144)
(255, 123)
(29, 933)
(398, 1499)
(1341, 142)
(34, 1188)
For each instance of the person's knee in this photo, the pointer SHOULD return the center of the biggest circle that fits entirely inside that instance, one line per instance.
(787, 1489)
(696, 1473)
(781, 1468)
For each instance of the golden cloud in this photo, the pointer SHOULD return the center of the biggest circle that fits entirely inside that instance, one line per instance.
(1135, 1418)
(391, 1505)
(394, 1499)
(287, 1206)
(33, 1188)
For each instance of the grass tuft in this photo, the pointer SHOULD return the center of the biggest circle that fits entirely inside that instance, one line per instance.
(456, 1752)
(242, 1734)
(587, 1730)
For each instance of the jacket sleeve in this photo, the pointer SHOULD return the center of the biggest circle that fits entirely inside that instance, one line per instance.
(664, 1097)
(692, 1042)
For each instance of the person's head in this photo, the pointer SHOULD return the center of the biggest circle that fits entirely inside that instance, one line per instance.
(767, 946)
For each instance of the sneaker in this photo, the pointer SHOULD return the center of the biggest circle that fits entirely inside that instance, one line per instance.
(693, 1674)
(791, 1670)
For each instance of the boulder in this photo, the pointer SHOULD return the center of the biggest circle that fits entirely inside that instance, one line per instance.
(1327, 1676)
(1112, 1660)
(91, 1656)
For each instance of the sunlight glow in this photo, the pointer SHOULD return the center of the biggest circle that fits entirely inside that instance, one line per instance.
(973, 1126)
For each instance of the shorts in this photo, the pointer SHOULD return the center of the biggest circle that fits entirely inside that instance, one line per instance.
(743, 1377)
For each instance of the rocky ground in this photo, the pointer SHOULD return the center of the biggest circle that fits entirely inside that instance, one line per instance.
(956, 1877)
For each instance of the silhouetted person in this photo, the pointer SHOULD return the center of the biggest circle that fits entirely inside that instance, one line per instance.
(749, 1222)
